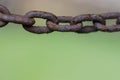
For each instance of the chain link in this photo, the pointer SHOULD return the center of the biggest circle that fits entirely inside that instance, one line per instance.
(53, 22)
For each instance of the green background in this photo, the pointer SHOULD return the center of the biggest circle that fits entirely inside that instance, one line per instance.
(58, 56)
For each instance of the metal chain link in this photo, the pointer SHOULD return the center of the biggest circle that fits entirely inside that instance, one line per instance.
(52, 21)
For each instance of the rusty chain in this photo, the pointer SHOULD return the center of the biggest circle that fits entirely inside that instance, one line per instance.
(52, 21)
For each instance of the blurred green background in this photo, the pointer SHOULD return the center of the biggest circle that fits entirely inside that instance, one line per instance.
(57, 56)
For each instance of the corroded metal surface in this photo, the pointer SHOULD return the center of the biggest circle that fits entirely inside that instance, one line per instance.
(75, 24)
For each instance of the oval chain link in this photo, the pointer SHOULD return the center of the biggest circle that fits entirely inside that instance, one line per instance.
(40, 29)
(75, 24)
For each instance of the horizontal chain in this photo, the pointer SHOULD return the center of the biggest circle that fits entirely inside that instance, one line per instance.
(75, 24)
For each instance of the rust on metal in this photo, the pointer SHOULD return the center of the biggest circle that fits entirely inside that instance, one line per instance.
(40, 14)
(63, 28)
(17, 19)
(3, 10)
(64, 19)
(53, 21)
